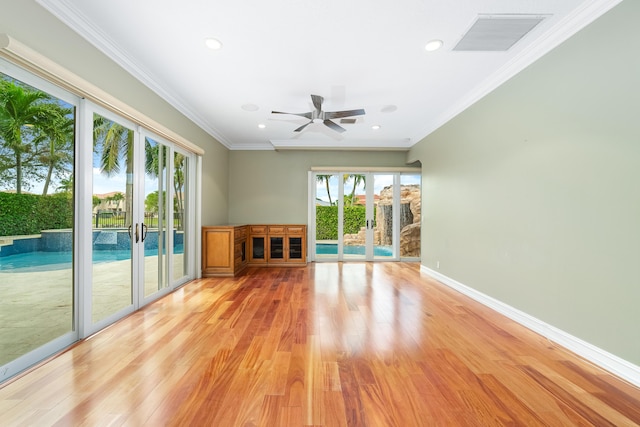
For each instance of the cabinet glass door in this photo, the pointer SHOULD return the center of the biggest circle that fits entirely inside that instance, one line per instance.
(276, 247)
(295, 248)
(257, 248)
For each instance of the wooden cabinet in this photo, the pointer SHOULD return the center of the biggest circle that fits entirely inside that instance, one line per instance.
(286, 244)
(227, 250)
(224, 250)
(257, 244)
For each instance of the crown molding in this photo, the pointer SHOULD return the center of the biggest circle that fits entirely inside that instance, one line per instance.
(27, 58)
(560, 32)
(351, 145)
(82, 25)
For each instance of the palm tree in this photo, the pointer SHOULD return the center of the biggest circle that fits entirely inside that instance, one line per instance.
(178, 187)
(66, 186)
(58, 131)
(325, 179)
(21, 109)
(114, 144)
(117, 198)
(155, 161)
(357, 180)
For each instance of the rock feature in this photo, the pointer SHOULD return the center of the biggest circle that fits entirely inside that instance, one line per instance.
(410, 209)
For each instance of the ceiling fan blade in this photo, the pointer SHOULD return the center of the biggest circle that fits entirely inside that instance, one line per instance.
(346, 113)
(334, 126)
(302, 127)
(307, 115)
(317, 102)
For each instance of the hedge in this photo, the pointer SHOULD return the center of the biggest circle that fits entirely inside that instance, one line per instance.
(22, 214)
(327, 221)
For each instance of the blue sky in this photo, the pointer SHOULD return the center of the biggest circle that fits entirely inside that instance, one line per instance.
(380, 181)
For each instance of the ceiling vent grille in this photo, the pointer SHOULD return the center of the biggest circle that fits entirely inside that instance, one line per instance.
(497, 32)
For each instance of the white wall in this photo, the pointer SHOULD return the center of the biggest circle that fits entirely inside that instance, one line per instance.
(532, 195)
(271, 186)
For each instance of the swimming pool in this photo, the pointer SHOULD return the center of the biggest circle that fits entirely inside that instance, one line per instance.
(332, 249)
(48, 261)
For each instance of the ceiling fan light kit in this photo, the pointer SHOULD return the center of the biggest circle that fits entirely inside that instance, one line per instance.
(325, 117)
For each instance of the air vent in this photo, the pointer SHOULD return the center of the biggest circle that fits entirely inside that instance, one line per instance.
(497, 32)
(347, 121)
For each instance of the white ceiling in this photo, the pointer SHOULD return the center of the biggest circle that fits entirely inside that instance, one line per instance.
(356, 54)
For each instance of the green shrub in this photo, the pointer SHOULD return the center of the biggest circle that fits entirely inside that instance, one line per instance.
(327, 221)
(22, 214)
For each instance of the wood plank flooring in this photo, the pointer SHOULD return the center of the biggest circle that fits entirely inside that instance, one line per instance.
(329, 344)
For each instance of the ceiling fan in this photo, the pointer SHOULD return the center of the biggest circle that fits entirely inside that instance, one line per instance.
(319, 116)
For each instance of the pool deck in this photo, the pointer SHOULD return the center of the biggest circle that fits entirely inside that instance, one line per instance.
(36, 307)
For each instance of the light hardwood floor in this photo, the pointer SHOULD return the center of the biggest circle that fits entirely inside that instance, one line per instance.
(329, 344)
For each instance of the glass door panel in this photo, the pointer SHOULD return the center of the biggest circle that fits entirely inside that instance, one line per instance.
(356, 225)
(410, 211)
(326, 217)
(367, 216)
(37, 152)
(155, 217)
(384, 231)
(180, 245)
(113, 225)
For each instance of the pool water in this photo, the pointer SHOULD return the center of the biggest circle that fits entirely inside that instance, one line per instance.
(47, 261)
(332, 249)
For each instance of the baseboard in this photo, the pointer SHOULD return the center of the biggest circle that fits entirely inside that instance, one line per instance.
(610, 362)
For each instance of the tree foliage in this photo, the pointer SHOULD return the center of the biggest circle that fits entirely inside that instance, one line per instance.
(36, 137)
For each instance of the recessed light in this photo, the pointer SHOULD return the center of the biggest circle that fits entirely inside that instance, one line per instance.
(375, 127)
(213, 44)
(262, 126)
(250, 107)
(433, 45)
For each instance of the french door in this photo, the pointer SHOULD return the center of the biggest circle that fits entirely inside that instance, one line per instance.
(360, 216)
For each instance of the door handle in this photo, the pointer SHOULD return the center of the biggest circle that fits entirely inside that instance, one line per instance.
(144, 231)
(137, 234)
(129, 231)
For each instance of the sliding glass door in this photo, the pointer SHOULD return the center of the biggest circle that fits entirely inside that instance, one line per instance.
(365, 216)
(183, 169)
(37, 219)
(139, 217)
(155, 218)
(357, 217)
(96, 218)
(115, 230)
(383, 206)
